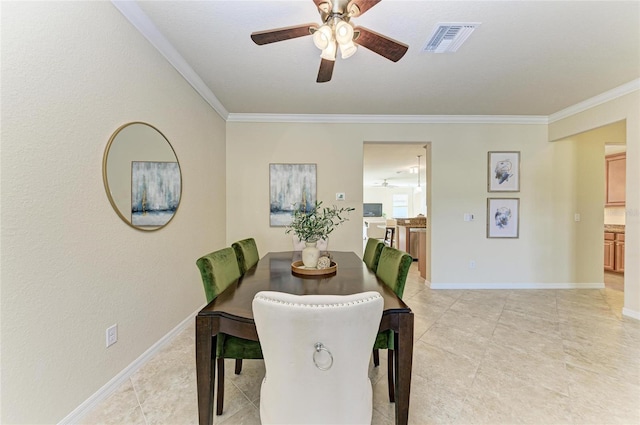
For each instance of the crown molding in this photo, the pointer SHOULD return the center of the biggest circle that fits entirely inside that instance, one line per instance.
(388, 119)
(607, 96)
(143, 24)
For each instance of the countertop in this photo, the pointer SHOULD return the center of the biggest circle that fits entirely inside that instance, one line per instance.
(414, 222)
(614, 228)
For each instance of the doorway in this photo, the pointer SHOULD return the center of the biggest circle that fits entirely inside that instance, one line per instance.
(614, 215)
(397, 176)
(583, 156)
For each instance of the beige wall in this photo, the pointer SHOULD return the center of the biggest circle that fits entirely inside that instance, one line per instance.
(250, 150)
(615, 215)
(588, 196)
(623, 108)
(542, 255)
(72, 73)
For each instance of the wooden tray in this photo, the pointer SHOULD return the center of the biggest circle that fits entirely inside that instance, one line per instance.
(298, 268)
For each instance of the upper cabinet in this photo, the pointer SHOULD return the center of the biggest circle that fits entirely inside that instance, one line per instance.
(616, 168)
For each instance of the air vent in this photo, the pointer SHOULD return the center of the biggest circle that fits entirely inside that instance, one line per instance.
(448, 37)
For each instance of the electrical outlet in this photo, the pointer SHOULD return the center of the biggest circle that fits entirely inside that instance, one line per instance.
(472, 264)
(112, 335)
(576, 217)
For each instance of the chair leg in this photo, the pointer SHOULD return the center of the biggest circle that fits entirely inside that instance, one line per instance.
(376, 358)
(238, 366)
(391, 376)
(220, 401)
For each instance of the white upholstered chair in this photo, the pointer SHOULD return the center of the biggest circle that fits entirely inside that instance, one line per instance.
(299, 245)
(316, 351)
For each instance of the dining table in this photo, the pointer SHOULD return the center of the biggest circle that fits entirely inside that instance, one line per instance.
(231, 313)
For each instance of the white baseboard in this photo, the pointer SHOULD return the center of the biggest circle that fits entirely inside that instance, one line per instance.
(511, 285)
(107, 389)
(631, 313)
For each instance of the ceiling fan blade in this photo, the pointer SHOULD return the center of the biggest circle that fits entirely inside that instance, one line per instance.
(377, 43)
(326, 70)
(323, 5)
(363, 6)
(281, 34)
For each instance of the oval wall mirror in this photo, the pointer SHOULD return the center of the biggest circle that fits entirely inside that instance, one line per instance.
(142, 176)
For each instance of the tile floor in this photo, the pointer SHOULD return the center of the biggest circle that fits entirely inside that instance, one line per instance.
(481, 357)
(614, 281)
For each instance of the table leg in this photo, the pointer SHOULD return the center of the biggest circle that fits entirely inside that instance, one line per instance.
(404, 359)
(205, 369)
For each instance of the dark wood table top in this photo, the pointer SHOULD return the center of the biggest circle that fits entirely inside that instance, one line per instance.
(273, 273)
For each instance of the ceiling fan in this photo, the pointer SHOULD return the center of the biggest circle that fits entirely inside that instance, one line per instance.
(385, 183)
(336, 31)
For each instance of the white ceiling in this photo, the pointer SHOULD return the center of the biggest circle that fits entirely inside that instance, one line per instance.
(527, 58)
(392, 162)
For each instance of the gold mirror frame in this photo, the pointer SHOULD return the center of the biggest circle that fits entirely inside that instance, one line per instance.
(135, 151)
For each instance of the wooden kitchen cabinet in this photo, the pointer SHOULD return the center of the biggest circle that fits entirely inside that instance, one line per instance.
(616, 169)
(614, 252)
(619, 254)
(609, 251)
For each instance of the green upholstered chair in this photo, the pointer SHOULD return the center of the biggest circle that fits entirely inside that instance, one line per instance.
(219, 270)
(392, 269)
(246, 253)
(372, 253)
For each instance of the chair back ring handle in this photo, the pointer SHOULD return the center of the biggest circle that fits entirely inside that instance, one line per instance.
(318, 348)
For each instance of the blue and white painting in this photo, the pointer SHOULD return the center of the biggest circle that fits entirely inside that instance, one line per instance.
(504, 171)
(155, 192)
(503, 217)
(291, 186)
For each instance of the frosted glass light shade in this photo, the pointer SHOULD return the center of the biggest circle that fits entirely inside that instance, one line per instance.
(344, 33)
(329, 53)
(322, 37)
(347, 50)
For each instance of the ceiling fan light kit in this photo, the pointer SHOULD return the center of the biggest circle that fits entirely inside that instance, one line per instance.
(347, 50)
(322, 37)
(336, 31)
(344, 32)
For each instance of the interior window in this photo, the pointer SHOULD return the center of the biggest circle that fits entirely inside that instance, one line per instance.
(400, 205)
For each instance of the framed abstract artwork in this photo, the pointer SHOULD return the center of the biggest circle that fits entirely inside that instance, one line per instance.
(503, 172)
(291, 187)
(155, 192)
(503, 217)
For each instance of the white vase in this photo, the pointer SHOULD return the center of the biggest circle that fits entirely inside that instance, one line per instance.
(310, 255)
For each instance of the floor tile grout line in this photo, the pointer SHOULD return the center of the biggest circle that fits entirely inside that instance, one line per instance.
(135, 392)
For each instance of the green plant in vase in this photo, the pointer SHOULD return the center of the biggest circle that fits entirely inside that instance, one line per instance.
(315, 224)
